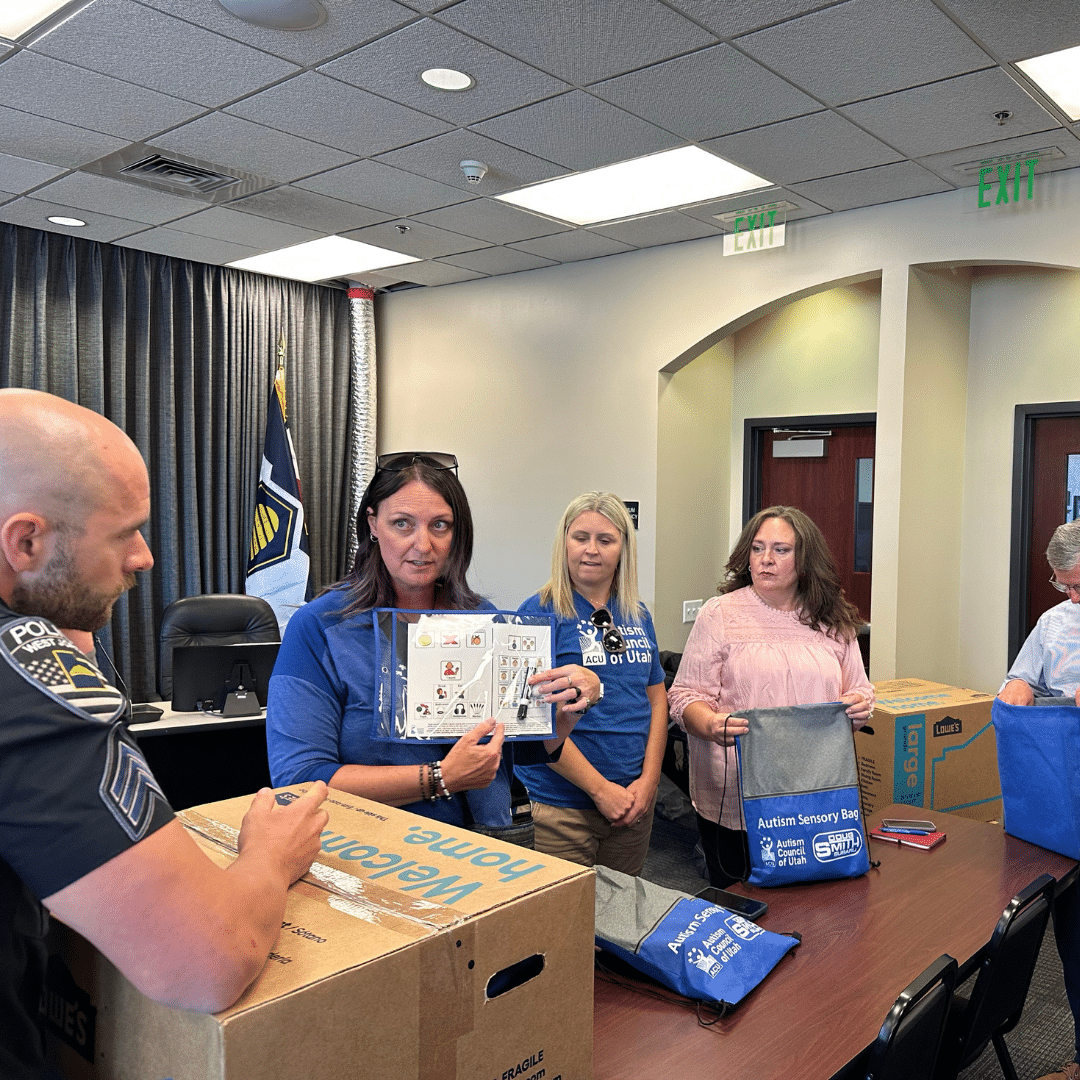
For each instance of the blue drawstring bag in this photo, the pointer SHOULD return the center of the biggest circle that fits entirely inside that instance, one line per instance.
(1038, 751)
(693, 946)
(800, 793)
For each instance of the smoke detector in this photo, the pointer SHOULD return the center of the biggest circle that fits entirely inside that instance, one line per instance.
(474, 171)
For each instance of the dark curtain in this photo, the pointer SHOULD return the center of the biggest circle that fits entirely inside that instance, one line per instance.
(182, 356)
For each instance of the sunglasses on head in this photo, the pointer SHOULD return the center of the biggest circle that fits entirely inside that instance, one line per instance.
(610, 637)
(406, 460)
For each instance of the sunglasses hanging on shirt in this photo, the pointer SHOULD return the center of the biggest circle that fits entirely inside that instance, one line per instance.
(610, 637)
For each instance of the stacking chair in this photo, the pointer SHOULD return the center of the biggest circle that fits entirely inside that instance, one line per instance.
(907, 1045)
(213, 619)
(997, 998)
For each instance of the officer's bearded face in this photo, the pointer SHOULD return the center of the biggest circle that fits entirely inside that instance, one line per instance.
(58, 595)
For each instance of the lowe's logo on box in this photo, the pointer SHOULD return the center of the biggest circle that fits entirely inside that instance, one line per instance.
(947, 725)
(830, 846)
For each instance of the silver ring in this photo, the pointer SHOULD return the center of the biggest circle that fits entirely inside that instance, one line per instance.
(569, 683)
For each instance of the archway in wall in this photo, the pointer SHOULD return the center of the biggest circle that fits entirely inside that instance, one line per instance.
(814, 353)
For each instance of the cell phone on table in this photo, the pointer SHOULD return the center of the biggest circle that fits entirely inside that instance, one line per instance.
(746, 906)
(909, 825)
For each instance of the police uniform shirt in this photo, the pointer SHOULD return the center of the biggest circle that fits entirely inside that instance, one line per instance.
(75, 791)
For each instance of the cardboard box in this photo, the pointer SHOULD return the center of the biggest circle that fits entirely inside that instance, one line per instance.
(933, 748)
(383, 968)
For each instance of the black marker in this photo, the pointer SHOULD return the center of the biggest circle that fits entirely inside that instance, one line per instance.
(523, 700)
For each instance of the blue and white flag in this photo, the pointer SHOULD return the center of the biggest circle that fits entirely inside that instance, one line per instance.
(278, 564)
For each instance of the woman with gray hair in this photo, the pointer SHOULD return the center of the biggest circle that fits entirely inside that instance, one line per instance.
(1049, 663)
(595, 805)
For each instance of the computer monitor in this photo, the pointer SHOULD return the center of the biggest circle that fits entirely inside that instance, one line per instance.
(228, 679)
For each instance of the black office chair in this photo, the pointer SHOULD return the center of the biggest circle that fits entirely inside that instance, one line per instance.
(215, 619)
(997, 998)
(907, 1045)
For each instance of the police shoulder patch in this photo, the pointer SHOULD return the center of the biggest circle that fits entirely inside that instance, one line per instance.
(128, 787)
(52, 664)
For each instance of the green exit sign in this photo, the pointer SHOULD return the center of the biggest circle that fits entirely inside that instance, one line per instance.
(1015, 177)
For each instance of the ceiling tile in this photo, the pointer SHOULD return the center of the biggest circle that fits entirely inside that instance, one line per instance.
(707, 93)
(580, 41)
(181, 245)
(886, 183)
(308, 209)
(423, 241)
(440, 159)
(132, 42)
(41, 139)
(342, 30)
(320, 108)
(726, 18)
(863, 48)
(258, 150)
(35, 213)
(670, 228)
(572, 246)
(490, 220)
(821, 144)
(392, 65)
(499, 260)
(1014, 32)
(946, 165)
(578, 131)
(20, 174)
(102, 194)
(82, 97)
(221, 223)
(370, 183)
(952, 113)
(433, 273)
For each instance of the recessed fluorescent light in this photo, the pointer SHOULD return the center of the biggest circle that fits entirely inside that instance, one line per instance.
(1057, 74)
(17, 18)
(317, 260)
(633, 188)
(447, 79)
(74, 222)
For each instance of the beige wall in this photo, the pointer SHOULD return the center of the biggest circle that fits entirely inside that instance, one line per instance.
(814, 356)
(545, 384)
(692, 482)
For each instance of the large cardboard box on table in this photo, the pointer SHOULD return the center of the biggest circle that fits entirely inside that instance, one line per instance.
(932, 748)
(411, 950)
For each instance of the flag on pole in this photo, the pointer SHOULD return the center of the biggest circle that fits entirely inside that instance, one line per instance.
(279, 569)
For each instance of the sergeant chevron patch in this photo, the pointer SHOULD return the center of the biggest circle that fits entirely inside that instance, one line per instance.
(128, 788)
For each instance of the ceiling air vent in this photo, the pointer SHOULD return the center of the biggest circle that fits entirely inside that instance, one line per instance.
(177, 174)
(170, 171)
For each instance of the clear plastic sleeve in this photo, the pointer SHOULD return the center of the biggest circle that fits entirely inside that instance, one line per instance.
(440, 673)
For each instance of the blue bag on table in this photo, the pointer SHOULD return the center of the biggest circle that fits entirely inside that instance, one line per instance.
(800, 793)
(1038, 753)
(695, 947)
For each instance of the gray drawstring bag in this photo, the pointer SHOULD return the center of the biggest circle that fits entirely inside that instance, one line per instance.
(800, 793)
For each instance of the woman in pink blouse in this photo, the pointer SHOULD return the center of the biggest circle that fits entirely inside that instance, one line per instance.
(781, 632)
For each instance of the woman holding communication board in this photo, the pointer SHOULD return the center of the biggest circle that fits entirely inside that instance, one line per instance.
(418, 534)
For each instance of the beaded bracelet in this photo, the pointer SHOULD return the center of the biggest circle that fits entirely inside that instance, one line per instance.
(439, 785)
(427, 784)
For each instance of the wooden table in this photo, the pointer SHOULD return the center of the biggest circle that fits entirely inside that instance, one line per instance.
(863, 941)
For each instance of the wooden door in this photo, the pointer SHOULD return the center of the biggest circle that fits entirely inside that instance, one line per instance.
(836, 492)
(1055, 439)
